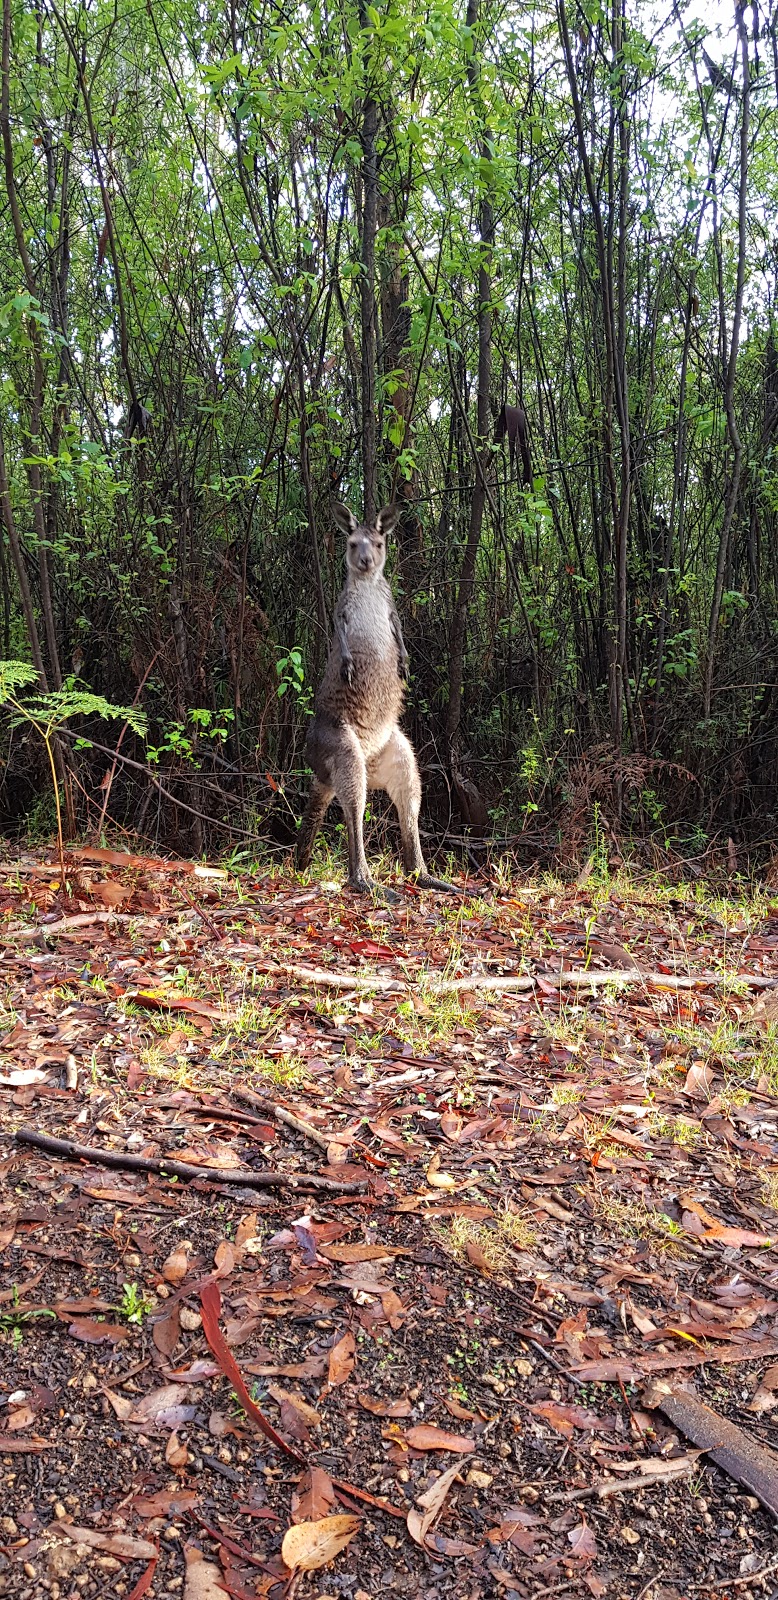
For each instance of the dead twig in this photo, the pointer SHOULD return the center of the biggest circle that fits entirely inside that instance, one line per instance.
(280, 1114)
(738, 1583)
(265, 1178)
(525, 983)
(664, 1471)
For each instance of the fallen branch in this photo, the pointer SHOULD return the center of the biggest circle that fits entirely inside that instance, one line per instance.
(525, 983)
(728, 1445)
(655, 1472)
(82, 919)
(264, 1178)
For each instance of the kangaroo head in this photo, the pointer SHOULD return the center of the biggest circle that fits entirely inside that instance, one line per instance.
(366, 542)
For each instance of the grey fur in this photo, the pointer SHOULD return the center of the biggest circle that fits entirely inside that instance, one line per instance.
(354, 742)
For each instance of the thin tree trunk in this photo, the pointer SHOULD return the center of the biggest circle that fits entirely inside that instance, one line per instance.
(38, 385)
(369, 224)
(615, 379)
(733, 431)
(478, 501)
(20, 569)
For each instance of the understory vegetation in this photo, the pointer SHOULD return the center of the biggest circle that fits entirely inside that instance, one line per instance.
(514, 267)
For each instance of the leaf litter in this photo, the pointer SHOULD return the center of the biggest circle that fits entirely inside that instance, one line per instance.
(537, 1195)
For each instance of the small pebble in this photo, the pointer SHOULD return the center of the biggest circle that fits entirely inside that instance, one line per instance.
(59, 1510)
(630, 1535)
(478, 1479)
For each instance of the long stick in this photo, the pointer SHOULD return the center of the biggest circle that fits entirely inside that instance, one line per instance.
(575, 978)
(264, 1178)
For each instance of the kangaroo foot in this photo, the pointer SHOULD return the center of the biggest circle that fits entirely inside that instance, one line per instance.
(378, 891)
(424, 880)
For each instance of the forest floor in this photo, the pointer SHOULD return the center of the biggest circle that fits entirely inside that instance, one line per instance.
(494, 1166)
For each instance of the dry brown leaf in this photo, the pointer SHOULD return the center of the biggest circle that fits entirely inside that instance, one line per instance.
(425, 1436)
(314, 1497)
(120, 1403)
(166, 1330)
(176, 1453)
(478, 1258)
(431, 1503)
(583, 1542)
(224, 1259)
(699, 1081)
(297, 1403)
(437, 1179)
(20, 1418)
(741, 1238)
(765, 1395)
(8, 1228)
(123, 1545)
(385, 1408)
(165, 1503)
(111, 894)
(162, 1408)
(341, 1360)
(393, 1309)
(246, 1229)
(210, 1155)
(203, 1578)
(566, 1418)
(359, 1252)
(456, 1409)
(310, 1545)
(91, 1332)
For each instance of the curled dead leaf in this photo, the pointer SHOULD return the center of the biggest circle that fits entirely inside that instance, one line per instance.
(224, 1259)
(310, 1545)
(765, 1396)
(431, 1504)
(385, 1408)
(437, 1179)
(176, 1453)
(298, 1404)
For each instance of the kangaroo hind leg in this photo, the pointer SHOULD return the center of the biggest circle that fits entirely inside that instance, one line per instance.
(395, 770)
(349, 775)
(313, 817)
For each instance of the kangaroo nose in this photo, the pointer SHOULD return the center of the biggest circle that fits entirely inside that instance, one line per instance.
(364, 562)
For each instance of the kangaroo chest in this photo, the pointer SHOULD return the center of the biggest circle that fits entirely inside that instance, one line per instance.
(368, 621)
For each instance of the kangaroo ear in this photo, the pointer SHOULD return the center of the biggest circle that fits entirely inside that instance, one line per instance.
(387, 519)
(343, 517)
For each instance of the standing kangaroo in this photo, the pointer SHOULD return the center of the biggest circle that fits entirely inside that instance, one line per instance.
(354, 743)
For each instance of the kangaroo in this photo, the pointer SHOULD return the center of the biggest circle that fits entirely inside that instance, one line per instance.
(354, 742)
